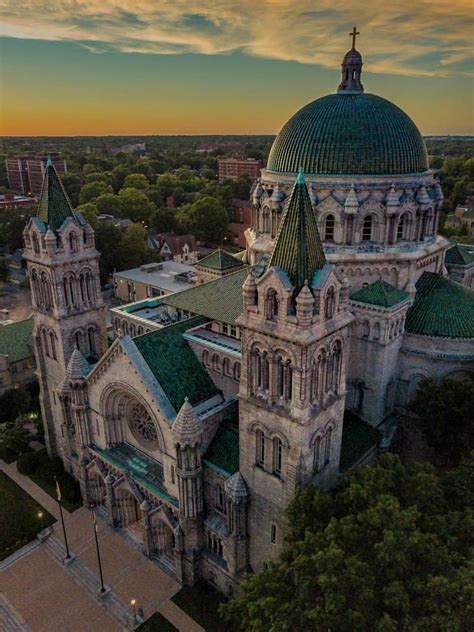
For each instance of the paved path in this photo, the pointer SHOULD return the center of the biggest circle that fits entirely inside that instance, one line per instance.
(49, 596)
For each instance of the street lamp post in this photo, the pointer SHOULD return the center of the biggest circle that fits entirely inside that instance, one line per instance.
(40, 516)
(59, 497)
(133, 605)
(94, 520)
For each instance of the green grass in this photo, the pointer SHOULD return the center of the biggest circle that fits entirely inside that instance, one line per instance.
(157, 623)
(201, 602)
(44, 475)
(19, 523)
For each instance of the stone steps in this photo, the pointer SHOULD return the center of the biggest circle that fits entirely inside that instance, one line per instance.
(10, 620)
(112, 605)
(17, 555)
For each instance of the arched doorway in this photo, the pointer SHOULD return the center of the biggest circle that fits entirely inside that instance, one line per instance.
(127, 510)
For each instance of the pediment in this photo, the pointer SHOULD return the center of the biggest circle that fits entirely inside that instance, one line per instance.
(329, 204)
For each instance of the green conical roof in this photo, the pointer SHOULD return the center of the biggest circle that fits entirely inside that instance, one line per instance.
(54, 206)
(298, 249)
(380, 293)
(220, 260)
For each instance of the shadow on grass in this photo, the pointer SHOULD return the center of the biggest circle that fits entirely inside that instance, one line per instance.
(201, 602)
(157, 623)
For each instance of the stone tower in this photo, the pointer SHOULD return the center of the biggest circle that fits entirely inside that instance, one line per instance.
(69, 312)
(294, 348)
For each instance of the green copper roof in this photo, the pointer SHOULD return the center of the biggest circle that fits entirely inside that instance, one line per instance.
(349, 133)
(442, 308)
(220, 260)
(54, 206)
(16, 340)
(220, 299)
(174, 364)
(223, 452)
(380, 293)
(298, 249)
(358, 438)
(460, 254)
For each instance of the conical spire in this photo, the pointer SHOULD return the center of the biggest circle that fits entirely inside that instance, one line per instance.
(77, 366)
(54, 205)
(186, 424)
(298, 249)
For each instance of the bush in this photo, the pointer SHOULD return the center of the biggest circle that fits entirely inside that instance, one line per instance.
(28, 463)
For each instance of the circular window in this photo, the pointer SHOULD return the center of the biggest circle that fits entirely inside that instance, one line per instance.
(142, 426)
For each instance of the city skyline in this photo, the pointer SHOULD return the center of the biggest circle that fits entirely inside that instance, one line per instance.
(162, 68)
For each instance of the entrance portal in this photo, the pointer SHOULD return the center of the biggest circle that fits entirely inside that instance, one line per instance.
(127, 510)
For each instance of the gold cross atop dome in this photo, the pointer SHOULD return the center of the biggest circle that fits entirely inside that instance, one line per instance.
(354, 33)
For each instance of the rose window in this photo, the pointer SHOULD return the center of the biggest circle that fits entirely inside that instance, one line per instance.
(142, 426)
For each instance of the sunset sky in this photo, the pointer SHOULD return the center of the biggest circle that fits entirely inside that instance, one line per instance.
(215, 66)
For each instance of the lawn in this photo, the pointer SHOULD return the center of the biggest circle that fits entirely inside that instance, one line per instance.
(42, 470)
(19, 522)
(201, 603)
(157, 623)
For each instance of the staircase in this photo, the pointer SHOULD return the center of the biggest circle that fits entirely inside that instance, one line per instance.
(10, 620)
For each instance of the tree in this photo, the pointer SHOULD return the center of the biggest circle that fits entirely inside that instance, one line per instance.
(208, 218)
(135, 250)
(14, 403)
(90, 213)
(163, 220)
(444, 412)
(385, 551)
(135, 205)
(136, 181)
(92, 190)
(4, 271)
(109, 204)
(108, 240)
(72, 183)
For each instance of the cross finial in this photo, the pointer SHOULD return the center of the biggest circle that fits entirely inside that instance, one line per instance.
(354, 33)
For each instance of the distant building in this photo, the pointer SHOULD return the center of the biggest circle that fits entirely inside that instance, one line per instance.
(10, 201)
(132, 148)
(177, 248)
(16, 266)
(120, 223)
(232, 168)
(17, 362)
(26, 173)
(152, 280)
(219, 263)
(225, 148)
(459, 261)
(462, 217)
(241, 220)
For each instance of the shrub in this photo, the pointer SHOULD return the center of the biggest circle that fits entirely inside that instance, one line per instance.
(28, 463)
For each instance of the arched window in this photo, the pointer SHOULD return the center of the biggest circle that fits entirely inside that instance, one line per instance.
(205, 357)
(36, 247)
(317, 454)
(216, 362)
(45, 342)
(91, 341)
(367, 228)
(317, 378)
(237, 371)
(401, 232)
(284, 382)
(365, 329)
(260, 457)
(52, 339)
(263, 371)
(78, 340)
(327, 446)
(330, 303)
(277, 456)
(226, 366)
(329, 226)
(266, 220)
(271, 304)
(73, 242)
(66, 292)
(88, 286)
(376, 331)
(46, 291)
(82, 287)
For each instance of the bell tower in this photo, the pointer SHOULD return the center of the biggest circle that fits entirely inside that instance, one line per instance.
(294, 327)
(68, 310)
(352, 68)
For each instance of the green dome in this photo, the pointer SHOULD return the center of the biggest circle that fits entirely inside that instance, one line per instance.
(349, 133)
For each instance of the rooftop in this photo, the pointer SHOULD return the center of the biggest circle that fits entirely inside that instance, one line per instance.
(160, 275)
(16, 340)
(223, 451)
(442, 308)
(220, 261)
(220, 299)
(54, 206)
(460, 254)
(358, 438)
(380, 293)
(174, 364)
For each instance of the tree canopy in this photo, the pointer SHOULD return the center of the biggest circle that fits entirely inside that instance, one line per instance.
(390, 549)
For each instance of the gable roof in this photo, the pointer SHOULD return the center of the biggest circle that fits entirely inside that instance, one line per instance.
(176, 243)
(174, 364)
(442, 308)
(380, 293)
(219, 299)
(16, 340)
(54, 206)
(298, 249)
(460, 254)
(223, 451)
(219, 260)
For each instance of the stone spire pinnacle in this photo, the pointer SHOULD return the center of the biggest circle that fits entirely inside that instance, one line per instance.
(298, 250)
(352, 68)
(54, 206)
(186, 424)
(77, 366)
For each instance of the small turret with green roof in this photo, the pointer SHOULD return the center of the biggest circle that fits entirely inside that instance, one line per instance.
(54, 205)
(298, 250)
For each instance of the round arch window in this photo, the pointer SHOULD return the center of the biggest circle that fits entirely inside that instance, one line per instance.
(142, 426)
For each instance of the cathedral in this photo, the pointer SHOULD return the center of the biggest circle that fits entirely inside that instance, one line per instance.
(289, 368)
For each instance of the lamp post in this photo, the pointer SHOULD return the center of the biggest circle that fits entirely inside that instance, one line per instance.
(133, 605)
(94, 521)
(40, 516)
(59, 497)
